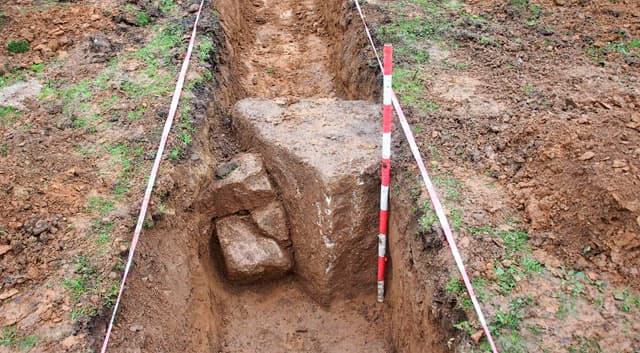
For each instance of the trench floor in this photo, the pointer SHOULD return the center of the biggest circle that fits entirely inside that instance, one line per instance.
(288, 57)
(284, 319)
(290, 52)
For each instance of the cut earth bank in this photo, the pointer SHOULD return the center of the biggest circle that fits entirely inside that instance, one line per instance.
(299, 155)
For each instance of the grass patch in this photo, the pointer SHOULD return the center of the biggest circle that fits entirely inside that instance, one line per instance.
(142, 19)
(136, 115)
(102, 231)
(585, 345)
(8, 116)
(81, 286)
(410, 86)
(624, 47)
(166, 6)
(17, 46)
(414, 35)
(37, 68)
(174, 154)
(157, 52)
(10, 338)
(626, 300)
(205, 50)
(99, 205)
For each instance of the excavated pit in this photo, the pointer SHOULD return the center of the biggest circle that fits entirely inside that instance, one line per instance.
(301, 65)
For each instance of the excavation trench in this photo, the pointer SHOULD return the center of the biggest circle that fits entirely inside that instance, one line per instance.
(303, 62)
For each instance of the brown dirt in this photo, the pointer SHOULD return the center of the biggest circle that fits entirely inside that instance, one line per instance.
(200, 311)
(50, 30)
(517, 123)
(547, 103)
(520, 103)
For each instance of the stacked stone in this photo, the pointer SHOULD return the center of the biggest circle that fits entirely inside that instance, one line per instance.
(250, 221)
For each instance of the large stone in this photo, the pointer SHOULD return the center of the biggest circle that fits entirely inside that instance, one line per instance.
(324, 156)
(239, 185)
(249, 256)
(272, 221)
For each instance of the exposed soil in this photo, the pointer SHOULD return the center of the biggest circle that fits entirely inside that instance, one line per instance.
(529, 117)
(530, 108)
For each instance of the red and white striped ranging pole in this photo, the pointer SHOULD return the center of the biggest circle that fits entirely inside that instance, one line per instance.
(433, 195)
(387, 110)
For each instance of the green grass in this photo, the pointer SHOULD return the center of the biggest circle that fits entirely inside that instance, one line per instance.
(488, 41)
(143, 19)
(85, 121)
(4, 151)
(205, 50)
(75, 98)
(100, 205)
(572, 287)
(622, 47)
(82, 286)
(8, 115)
(413, 36)
(531, 265)
(83, 312)
(158, 51)
(121, 188)
(110, 296)
(514, 240)
(167, 5)
(77, 286)
(10, 338)
(37, 67)
(102, 231)
(585, 345)
(626, 301)
(120, 156)
(17, 46)
(174, 154)
(448, 187)
(465, 326)
(412, 90)
(136, 115)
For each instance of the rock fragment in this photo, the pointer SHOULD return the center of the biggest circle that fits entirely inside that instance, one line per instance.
(586, 156)
(244, 187)
(15, 95)
(5, 249)
(271, 220)
(248, 256)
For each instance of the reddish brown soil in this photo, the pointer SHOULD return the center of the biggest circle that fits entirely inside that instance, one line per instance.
(517, 123)
(50, 30)
(547, 103)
